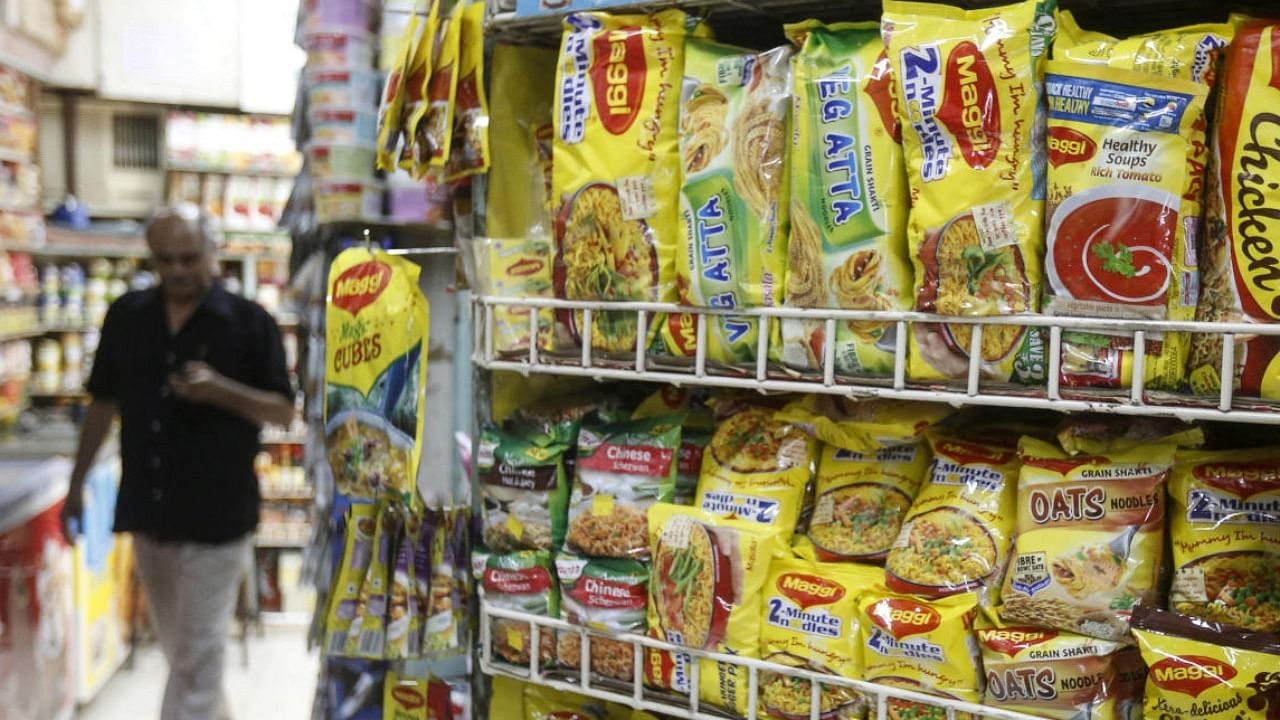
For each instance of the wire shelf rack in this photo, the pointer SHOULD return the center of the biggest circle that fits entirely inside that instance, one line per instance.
(971, 388)
(633, 693)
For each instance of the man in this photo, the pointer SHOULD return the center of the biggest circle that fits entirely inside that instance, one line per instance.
(193, 373)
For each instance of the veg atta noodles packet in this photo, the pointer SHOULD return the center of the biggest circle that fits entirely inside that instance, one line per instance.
(1240, 271)
(848, 198)
(376, 326)
(968, 85)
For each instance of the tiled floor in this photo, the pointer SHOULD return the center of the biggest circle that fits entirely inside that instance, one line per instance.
(278, 683)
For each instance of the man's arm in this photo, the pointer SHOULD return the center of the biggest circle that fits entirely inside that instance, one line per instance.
(97, 423)
(202, 384)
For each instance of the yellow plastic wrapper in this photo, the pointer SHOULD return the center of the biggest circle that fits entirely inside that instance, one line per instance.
(344, 597)
(707, 592)
(921, 645)
(433, 123)
(367, 635)
(956, 536)
(1206, 670)
(811, 621)
(506, 699)
(863, 425)
(733, 140)
(1103, 433)
(405, 697)
(616, 171)
(699, 426)
(1225, 532)
(402, 90)
(376, 326)
(849, 198)
(469, 153)
(1240, 275)
(1184, 53)
(968, 85)
(543, 703)
(1090, 538)
(860, 500)
(756, 468)
(1053, 674)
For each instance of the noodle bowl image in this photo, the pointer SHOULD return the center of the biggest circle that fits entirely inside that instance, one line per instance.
(943, 549)
(865, 520)
(789, 697)
(366, 453)
(684, 586)
(752, 441)
(1243, 589)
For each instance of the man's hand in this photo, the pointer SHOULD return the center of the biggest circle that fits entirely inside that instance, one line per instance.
(198, 383)
(72, 512)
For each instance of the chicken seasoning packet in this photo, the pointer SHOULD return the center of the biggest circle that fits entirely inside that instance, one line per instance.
(376, 325)
(848, 198)
(969, 99)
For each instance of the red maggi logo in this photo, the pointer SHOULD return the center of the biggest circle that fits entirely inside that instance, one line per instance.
(357, 287)
(1067, 145)
(617, 75)
(971, 106)
(1011, 641)
(1190, 674)
(809, 590)
(903, 618)
(408, 697)
(1240, 479)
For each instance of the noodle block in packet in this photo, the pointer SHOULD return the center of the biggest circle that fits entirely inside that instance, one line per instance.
(609, 595)
(756, 468)
(616, 166)
(524, 488)
(1121, 238)
(968, 87)
(1240, 271)
(523, 581)
(1206, 670)
(1090, 534)
(860, 500)
(848, 198)
(376, 324)
(920, 645)
(699, 424)
(733, 133)
(811, 621)
(956, 535)
(621, 469)
(1053, 674)
(706, 592)
(1225, 532)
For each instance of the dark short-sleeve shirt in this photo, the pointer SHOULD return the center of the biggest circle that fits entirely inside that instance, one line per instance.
(188, 472)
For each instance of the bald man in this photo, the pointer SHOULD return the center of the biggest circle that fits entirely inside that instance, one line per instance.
(193, 373)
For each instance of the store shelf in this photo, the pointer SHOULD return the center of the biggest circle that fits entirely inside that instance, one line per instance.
(245, 172)
(637, 696)
(972, 390)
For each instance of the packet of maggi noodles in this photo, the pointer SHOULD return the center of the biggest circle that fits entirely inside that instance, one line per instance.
(699, 425)
(1225, 532)
(968, 85)
(811, 621)
(433, 123)
(1090, 535)
(395, 96)
(706, 592)
(524, 487)
(863, 425)
(921, 645)
(1206, 670)
(1240, 273)
(616, 170)
(361, 529)
(1053, 674)
(848, 196)
(756, 468)
(523, 581)
(1101, 433)
(733, 130)
(1186, 53)
(600, 594)
(377, 322)
(956, 534)
(860, 500)
(469, 152)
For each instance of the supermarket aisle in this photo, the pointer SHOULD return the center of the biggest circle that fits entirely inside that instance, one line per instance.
(278, 683)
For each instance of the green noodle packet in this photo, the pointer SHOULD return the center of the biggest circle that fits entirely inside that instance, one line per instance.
(524, 485)
(524, 581)
(601, 594)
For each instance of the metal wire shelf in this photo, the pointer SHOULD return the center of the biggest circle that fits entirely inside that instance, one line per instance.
(690, 705)
(971, 389)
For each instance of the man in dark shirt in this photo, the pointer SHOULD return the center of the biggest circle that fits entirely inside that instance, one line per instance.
(193, 372)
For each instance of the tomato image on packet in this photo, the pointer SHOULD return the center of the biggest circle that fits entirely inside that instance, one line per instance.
(968, 87)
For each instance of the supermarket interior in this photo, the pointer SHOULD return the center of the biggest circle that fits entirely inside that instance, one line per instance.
(627, 360)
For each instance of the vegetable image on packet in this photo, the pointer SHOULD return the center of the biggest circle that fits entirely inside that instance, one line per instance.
(432, 123)
(756, 468)
(524, 488)
(620, 470)
(616, 167)
(1225, 532)
(344, 597)
(469, 151)
(706, 592)
(956, 535)
(860, 500)
(1237, 260)
(920, 645)
(811, 621)
(1207, 670)
(609, 595)
(523, 581)
(1121, 238)
(733, 134)
(376, 326)
(848, 198)
(1053, 674)
(695, 434)
(1090, 531)
(968, 88)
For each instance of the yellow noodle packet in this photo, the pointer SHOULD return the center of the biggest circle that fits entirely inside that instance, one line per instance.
(396, 93)
(344, 596)
(863, 425)
(469, 151)
(921, 645)
(368, 634)
(432, 124)
(405, 697)
(1185, 53)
